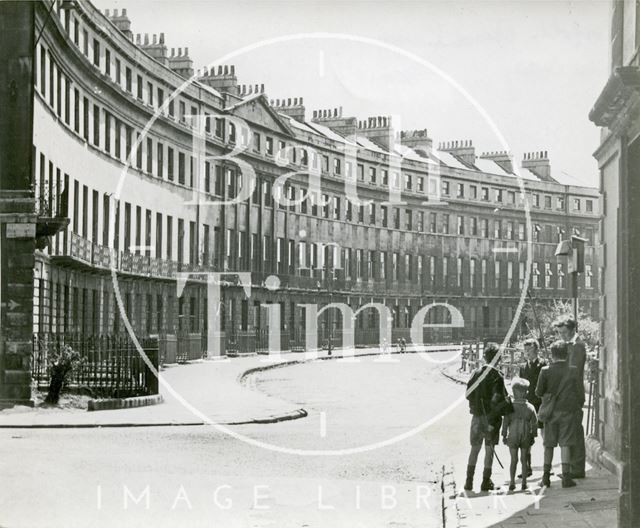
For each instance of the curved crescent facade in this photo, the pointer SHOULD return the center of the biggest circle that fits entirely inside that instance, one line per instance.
(153, 193)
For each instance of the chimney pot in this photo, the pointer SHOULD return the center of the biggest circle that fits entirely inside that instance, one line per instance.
(233, 70)
(115, 12)
(186, 52)
(106, 13)
(161, 38)
(124, 12)
(301, 100)
(262, 88)
(146, 39)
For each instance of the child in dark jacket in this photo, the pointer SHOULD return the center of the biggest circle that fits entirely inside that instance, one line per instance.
(519, 430)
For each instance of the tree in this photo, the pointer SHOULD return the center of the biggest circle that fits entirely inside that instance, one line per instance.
(61, 363)
(538, 316)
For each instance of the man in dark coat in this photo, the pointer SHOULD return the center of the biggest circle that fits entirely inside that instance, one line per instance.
(531, 371)
(566, 328)
(486, 394)
(560, 381)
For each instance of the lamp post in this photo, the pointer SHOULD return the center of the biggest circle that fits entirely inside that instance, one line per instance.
(573, 249)
(330, 316)
(329, 282)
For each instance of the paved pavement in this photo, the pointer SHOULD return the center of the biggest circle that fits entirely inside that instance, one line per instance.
(193, 394)
(591, 504)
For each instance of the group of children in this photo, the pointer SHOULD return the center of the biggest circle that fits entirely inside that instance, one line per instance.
(557, 389)
(489, 402)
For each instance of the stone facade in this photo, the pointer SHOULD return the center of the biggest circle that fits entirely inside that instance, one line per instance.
(17, 205)
(617, 111)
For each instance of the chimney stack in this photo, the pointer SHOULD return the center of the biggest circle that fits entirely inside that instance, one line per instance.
(378, 129)
(463, 150)
(333, 120)
(418, 140)
(122, 22)
(294, 108)
(502, 158)
(182, 63)
(222, 79)
(538, 163)
(156, 48)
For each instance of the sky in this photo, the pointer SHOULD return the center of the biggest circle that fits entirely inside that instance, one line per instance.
(532, 68)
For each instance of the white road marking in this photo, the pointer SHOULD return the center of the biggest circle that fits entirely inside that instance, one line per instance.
(323, 424)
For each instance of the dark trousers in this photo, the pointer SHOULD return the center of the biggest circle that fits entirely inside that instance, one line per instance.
(577, 451)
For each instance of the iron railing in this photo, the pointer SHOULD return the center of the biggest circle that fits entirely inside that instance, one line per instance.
(51, 202)
(110, 366)
(593, 394)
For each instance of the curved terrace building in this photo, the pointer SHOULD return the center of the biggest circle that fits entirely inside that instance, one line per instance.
(433, 223)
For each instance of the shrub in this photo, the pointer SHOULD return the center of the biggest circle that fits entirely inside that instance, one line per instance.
(61, 363)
